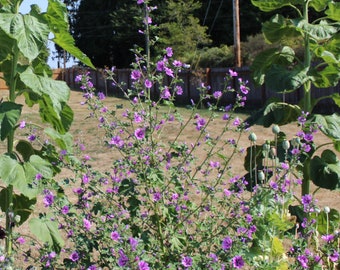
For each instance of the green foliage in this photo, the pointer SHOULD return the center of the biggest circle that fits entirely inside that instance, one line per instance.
(23, 55)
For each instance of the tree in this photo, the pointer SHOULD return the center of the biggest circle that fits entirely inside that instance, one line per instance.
(182, 31)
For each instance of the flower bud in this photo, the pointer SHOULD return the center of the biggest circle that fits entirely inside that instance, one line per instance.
(17, 219)
(252, 137)
(327, 209)
(296, 141)
(285, 145)
(266, 147)
(260, 175)
(272, 152)
(276, 129)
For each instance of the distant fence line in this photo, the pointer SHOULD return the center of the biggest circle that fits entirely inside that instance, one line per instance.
(214, 77)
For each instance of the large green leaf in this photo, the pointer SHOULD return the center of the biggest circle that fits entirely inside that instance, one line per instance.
(53, 106)
(9, 115)
(264, 61)
(329, 125)
(278, 29)
(64, 141)
(57, 19)
(47, 231)
(22, 175)
(279, 113)
(22, 205)
(319, 5)
(325, 170)
(28, 31)
(270, 5)
(319, 32)
(333, 11)
(327, 77)
(280, 79)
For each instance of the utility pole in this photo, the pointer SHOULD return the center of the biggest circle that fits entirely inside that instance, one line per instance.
(237, 42)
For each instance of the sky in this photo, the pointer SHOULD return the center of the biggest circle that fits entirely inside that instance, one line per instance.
(25, 8)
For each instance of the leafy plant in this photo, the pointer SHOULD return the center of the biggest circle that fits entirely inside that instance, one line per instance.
(283, 71)
(23, 55)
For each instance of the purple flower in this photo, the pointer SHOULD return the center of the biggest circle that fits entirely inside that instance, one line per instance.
(237, 122)
(101, 96)
(32, 137)
(308, 137)
(177, 63)
(133, 243)
(140, 133)
(78, 78)
(217, 94)
(160, 65)
(87, 224)
(22, 124)
(74, 256)
(179, 90)
(148, 84)
(169, 52)
(303, 260)
(306, 199)
(48, 198)
(237, 262)
(244, 89)
(227, 243)
(169, 72)
(187, 261)
(334, 256)
(328, 237)
(137, 117)
(115, 236)
(166, 93)
(232, 73)
(123, 259)
(157, 196)
(143, 265)
(21, 240)
(135, 75)
(200, 123)
(139, 2)
(295, 151)
(65, 209)
(117, 141)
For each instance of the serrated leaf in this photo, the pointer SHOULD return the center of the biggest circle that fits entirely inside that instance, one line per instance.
(25, 148)
(277, 249)
(64, 141)
(278, 28)
(329, 125)
(9, 115)
(11, 173)
(333, 11)
(280, 79)
(270, 5)
(57, 19)
(319, 32)
(29, 33)
(47, 231)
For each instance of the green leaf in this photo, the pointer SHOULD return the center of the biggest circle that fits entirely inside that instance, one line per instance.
(321, 220)
(329, 125)
(64, 141)
(279, 29)
(28, 31)
(325, 170)
(280, 79)
(279, 113)
(333, 11)
(277, 249)
(25, 148)
(47, 231)
(58, 21)
(319, 32)
(266, 59)
(270, 5)
(319, 5)
(9, 115)
(53, 104)
(22, 205)
(22, 176)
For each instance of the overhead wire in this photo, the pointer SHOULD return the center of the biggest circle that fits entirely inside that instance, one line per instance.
(216, 15)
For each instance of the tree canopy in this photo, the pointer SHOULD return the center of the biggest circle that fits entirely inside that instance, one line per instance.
(106, 30)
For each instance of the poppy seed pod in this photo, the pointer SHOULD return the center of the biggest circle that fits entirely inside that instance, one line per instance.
(260, 175)
(252, 137)
(285, 145)
(276, 129)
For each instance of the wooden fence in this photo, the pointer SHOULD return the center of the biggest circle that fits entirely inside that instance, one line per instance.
(214, 77)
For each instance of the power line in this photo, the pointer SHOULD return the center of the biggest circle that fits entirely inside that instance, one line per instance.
(206, 12)
(217, 12)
